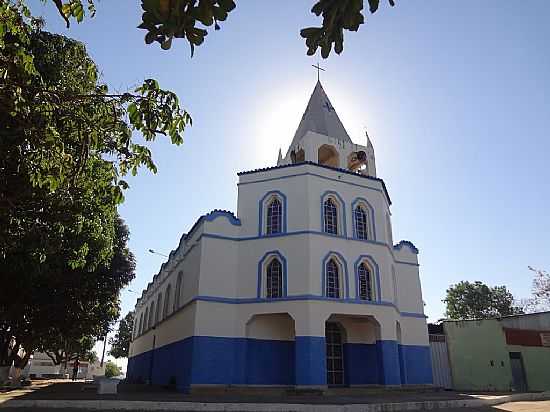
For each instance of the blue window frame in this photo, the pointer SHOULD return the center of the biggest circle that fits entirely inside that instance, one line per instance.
(332, 274)
(274, 217)
(361, 223)
(274, 279)
(365, 282)
(330, 212)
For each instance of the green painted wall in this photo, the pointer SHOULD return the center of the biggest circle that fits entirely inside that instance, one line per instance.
(472, 346)
(536, 363)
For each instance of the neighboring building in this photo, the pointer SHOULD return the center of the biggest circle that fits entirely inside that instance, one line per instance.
(41, 366)
(304, 288)
(509, 353)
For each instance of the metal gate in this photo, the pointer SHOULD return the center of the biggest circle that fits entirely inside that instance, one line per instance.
(518, 372)
(335, 354)
(440, 361)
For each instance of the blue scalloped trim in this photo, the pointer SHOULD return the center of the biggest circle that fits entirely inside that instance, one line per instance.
(407, 243)
(234, 220)
(209, 217)
(337, 169)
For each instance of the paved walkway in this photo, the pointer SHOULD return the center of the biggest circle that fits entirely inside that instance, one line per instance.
(540, 406)
(71, 396)
(67, 390)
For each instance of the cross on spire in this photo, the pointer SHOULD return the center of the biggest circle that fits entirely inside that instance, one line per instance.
(319, 68)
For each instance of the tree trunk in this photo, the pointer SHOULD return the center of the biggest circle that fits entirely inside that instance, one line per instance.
(16, 377)
(18, 365)
(4, 374)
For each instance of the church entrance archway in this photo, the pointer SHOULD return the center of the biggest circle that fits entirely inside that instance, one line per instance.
(334, 353)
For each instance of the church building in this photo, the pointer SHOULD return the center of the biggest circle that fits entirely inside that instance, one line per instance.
(302, 288)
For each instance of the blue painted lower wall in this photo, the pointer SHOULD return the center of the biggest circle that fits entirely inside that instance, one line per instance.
(244, 361)
(361, 364)
(417, 361)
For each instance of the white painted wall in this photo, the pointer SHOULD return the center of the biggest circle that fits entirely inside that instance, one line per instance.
(226, 266)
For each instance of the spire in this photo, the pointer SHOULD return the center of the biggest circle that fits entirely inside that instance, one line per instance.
(280, 158)
(369, 143)
(320, 117)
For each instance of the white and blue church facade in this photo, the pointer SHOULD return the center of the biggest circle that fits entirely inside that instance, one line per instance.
(303, 287)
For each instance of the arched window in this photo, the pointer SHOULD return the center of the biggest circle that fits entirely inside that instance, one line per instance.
(146, 320)
(361, 222)
(274, 279)
(328, 155)
(274, 217)
(159, 308)
(332, 280)
(395, 292)
(152, 315)
(140, 325)
(364, 276)
(167, 299)
(330, 213)
(178, 291)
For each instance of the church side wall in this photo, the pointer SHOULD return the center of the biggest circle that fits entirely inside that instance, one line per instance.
(163, 354)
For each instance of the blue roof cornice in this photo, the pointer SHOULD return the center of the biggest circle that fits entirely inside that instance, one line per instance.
(407, 243)
(336, 169)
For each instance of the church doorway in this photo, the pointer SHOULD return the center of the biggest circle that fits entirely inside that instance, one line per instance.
(334, 353)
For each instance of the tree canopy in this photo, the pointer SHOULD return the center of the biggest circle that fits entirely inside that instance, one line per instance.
(166, 20)
(120, 343)
(476, 300)
(541, 289)
(66, 144)
(112, 370)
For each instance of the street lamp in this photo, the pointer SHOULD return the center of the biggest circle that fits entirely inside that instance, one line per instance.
(157, 253)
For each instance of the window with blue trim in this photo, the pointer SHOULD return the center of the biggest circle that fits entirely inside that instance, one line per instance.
(360, 218)
(332, 279)
(274, 279)
(274, 217)
(364, 276)
(330, 217)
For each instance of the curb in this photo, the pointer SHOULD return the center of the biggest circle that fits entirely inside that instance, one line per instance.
(268, 407)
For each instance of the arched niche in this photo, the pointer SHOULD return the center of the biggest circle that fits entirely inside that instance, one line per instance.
(327, 155)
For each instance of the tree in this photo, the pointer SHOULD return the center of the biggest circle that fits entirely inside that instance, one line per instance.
(68, 351)
(65, 143)
(112, 370)
(476, 300)
(165, 20)
(120, 344)
(541, 289)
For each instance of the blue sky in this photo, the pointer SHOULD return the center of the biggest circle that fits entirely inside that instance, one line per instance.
(453, 97)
